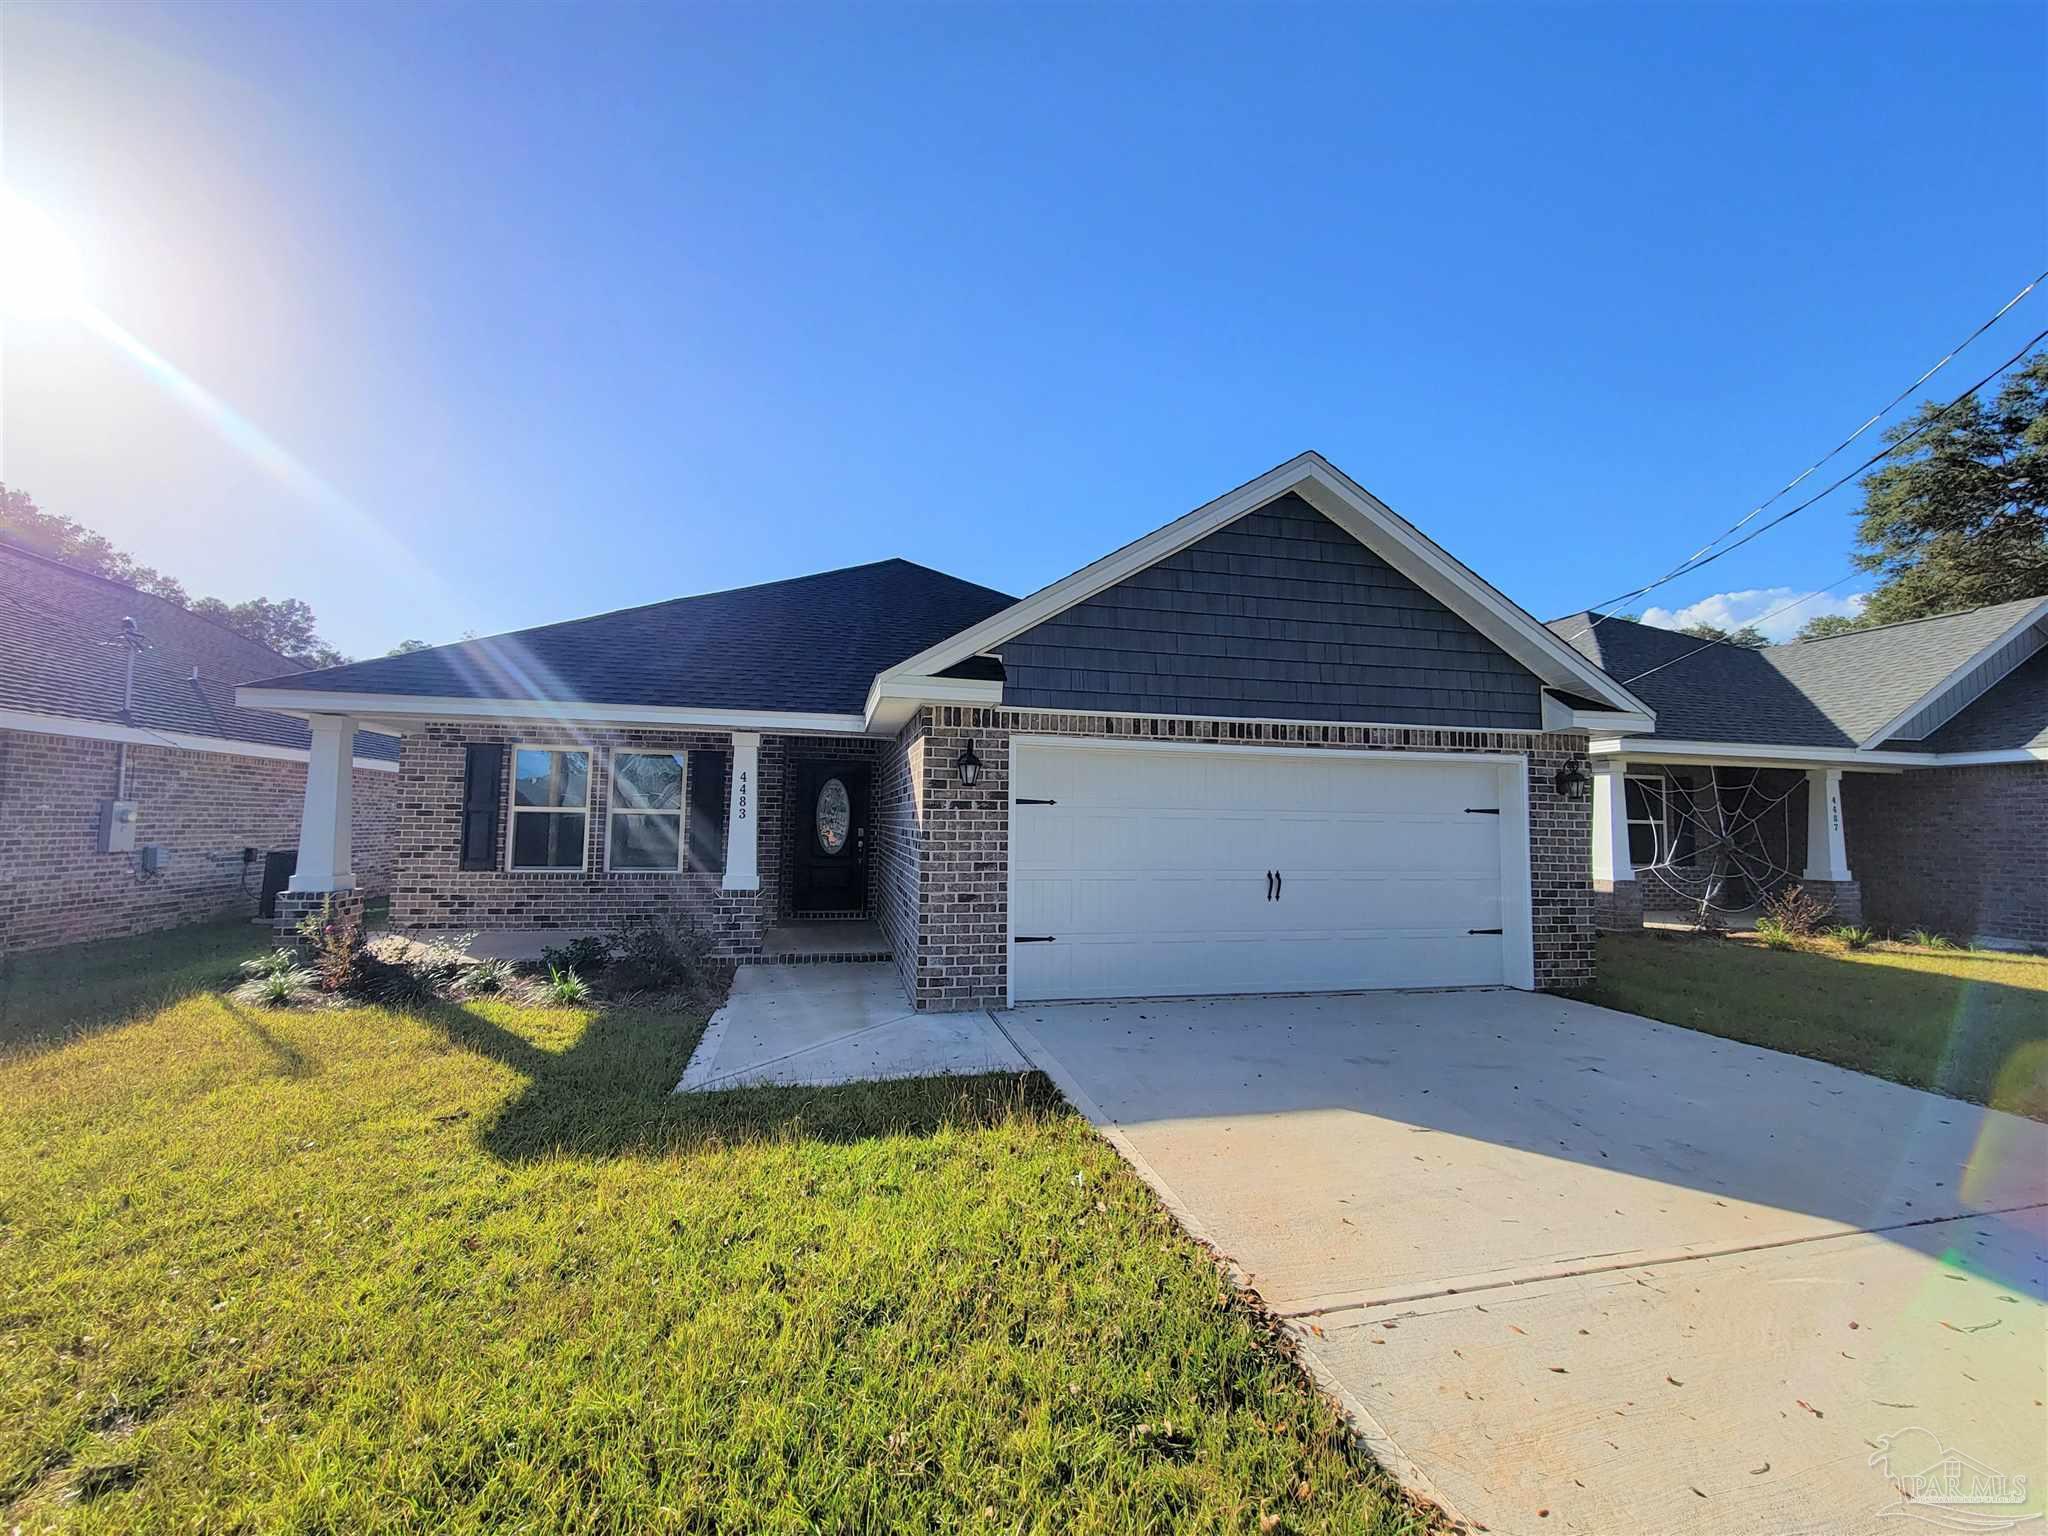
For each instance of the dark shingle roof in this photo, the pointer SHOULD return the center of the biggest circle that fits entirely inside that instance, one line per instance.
(1702, 692)
(1812, 693)
(61, 654)
(1863, 679)
(809, 645)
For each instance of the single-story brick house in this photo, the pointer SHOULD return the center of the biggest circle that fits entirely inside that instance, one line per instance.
(1899, 771)
(135, 794)
(1284, 743)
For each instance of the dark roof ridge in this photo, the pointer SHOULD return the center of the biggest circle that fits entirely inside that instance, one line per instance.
(691, 597)
(1925, 618)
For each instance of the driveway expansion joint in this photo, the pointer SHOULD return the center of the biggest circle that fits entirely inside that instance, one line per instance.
(1647, 1261)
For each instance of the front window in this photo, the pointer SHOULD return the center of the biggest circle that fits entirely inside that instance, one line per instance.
(647, 811)
(550, 808)
(1645, 797)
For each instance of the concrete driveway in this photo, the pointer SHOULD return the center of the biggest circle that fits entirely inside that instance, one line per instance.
(1573, 1270)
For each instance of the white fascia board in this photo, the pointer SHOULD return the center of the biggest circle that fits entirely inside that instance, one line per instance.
(393, 706)
(1753, 755)
(1560, 716)
(1986, 758)
(892, 700)
(1361, 514)
(1900, 721)
(182, 741)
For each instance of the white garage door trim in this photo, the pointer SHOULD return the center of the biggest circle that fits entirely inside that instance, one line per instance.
(1518, 952)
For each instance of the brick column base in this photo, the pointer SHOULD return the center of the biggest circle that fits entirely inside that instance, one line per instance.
(293, 905)
(1618, 905)
(1843, 897)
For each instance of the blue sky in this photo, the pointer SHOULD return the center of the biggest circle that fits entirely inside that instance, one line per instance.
(559, 309)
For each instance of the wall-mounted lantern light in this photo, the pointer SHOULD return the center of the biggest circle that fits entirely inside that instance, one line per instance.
(1572, 782)
(969, 766)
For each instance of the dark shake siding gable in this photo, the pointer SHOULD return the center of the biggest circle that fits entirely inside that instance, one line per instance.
(1281, 615)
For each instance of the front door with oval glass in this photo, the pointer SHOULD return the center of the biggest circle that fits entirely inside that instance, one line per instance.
(829, 874)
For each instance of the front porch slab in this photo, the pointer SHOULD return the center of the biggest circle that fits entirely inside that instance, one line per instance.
(827, 1024)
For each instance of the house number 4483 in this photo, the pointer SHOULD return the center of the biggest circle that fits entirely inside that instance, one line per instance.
(740, 796)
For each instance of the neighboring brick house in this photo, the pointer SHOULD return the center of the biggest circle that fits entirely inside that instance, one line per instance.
(1285, 743)
(1899, 771)
(195, 779)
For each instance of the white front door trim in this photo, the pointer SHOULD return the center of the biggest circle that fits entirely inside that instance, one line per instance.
(1517, 877)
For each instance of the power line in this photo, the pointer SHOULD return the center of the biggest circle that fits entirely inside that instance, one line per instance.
(1694, 559)
(1760, 619)
(1883, 453)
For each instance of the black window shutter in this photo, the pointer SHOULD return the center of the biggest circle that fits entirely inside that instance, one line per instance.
(482, 766)
(707, 809)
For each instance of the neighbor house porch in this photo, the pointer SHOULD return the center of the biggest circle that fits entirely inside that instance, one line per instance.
(1704, 838)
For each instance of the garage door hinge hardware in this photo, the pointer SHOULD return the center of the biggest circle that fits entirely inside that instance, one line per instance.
(1482, 810)
(1022, 801)
(1035, 938)
(1482, 930)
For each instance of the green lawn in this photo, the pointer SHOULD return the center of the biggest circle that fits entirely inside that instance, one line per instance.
(1969, 1023)
(474, 1269)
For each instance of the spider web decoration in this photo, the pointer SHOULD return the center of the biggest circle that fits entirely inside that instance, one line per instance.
(1723, 836)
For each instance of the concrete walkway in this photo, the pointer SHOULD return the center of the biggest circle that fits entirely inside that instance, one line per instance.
(823, 1024)
(1572, 1270)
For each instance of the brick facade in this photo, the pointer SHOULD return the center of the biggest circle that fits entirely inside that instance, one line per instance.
(201, 808)
(1618, 905)
(956, 840)
(1954, 850)
(430, 890)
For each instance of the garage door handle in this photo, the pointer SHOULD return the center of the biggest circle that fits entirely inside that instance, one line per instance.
(1035, 938)
(1279, 884)
(1269, 885)
(1482, 930)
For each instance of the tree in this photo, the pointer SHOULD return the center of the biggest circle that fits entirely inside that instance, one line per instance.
(1961, 519)
(286, 625)
(23, 522)
(1748, 635)
(407, 647)
(1822, 625)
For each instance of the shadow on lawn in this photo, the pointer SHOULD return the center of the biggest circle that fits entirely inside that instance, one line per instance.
(48, 996)
(608, 1094)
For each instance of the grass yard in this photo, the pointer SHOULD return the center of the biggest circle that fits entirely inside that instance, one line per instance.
(474, 1269)
(1969, 1023)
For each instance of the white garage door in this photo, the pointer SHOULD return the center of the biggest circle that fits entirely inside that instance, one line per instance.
(1181, 871)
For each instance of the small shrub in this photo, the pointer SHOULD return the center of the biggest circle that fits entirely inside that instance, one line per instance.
(566, 987)
(675, 951)
(487, 977)
(1794, 912)
(1775, 935)
(1851, 937)
(337, 950)
(278, 989)
(1926, 938)
(276, 963)
(586, 952)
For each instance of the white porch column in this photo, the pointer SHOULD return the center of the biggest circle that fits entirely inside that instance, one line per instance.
(742, 811)
(326, 827)
(1827, 853)
(1610, 821)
